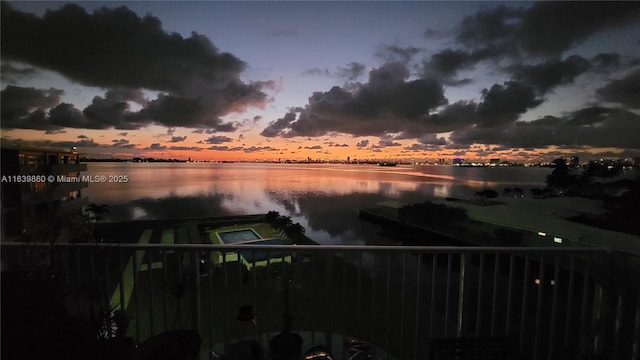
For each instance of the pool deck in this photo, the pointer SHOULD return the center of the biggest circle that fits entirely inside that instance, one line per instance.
(189, 231)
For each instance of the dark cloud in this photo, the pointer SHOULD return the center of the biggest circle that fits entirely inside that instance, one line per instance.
(66, 115)
(625, 91)
(204, 131)
(219, 148)
(500, 105)
(185, 148)
(362, 143)
(113, 110)
(18, 105)
(544, 29)
(606, 61)
(122, 143)
(595, 127)
(505, 103)
(126, 95)
(448, 62)
(550, 27)
(253, 149)
(26, 108)
(489, 27)
(432, 139)
(157, 146)
(314, 147)
(277, 127)
(108, 112)
(419, 147)
(387, 142)
(172, 110)
(217, 139)
(175, 139)
(453, 117)
(387, 103)
(549, 74)
(114, 48)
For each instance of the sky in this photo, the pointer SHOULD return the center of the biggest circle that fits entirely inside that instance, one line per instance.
(245, 81)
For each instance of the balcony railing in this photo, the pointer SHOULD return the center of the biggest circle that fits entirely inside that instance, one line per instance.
(540, 303)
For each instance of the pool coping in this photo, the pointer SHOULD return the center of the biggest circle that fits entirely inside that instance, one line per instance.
(221, 242)
(239, 256)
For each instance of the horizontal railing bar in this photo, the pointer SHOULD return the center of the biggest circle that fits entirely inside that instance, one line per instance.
(316, 248)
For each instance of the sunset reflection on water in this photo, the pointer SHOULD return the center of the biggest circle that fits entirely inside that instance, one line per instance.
(324, 198)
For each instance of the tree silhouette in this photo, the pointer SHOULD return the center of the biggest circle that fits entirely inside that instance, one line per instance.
(96, 211)
(561, 177)
(271, 217)
(295, 230)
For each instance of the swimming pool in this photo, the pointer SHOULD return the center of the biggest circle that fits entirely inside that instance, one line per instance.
(237, 236)
(249, 257)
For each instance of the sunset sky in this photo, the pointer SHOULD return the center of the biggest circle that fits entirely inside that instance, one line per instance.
(323, 80)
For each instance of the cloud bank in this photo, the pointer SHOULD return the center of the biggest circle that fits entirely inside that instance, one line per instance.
(117, 50)
(531, 48)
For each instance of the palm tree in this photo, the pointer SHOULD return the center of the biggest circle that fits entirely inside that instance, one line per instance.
(271, 217)
(295, 230)
(561, 177)
(283, 222)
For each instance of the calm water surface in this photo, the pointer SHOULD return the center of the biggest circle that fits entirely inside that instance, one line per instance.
(324, 198)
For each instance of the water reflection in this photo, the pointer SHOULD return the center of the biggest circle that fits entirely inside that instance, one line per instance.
(323, 198)
(172, 207)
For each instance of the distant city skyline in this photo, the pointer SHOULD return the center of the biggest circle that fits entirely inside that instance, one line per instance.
(242, 81)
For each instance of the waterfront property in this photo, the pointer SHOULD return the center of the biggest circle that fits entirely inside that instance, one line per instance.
(38, 185)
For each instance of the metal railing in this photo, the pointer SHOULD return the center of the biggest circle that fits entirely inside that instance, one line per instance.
(544, 303)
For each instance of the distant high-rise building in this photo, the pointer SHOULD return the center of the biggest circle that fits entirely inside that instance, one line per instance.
(458, 161)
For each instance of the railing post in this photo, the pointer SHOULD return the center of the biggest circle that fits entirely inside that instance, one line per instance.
(461, 294)
(195, 299)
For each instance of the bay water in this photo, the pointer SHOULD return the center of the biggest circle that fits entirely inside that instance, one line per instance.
(324, 198)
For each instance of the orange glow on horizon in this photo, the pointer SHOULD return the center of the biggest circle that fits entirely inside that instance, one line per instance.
(182, 144)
